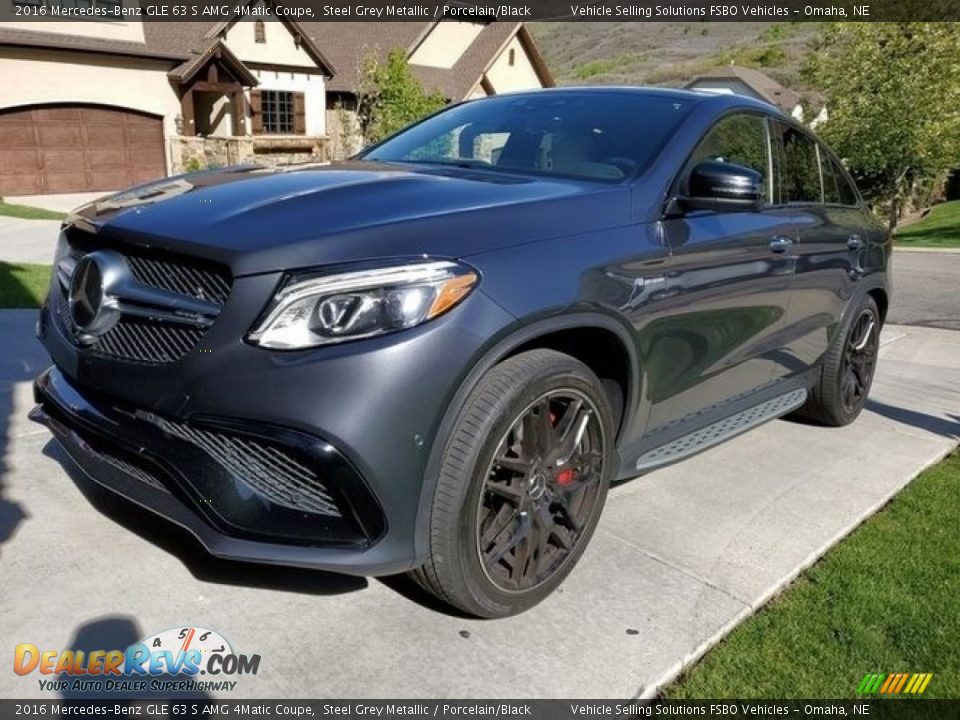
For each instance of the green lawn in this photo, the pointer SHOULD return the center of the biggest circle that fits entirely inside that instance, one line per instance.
(23, 286)
(29, 213)
(940, 228)
(885, 600)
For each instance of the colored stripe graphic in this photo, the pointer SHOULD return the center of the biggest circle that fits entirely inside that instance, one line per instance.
(894, 683)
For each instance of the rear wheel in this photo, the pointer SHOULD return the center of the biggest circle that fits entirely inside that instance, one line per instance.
(847, 370)
(522, 485)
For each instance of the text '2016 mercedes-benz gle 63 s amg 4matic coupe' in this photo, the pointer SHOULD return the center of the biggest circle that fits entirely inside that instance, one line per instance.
(436, 357)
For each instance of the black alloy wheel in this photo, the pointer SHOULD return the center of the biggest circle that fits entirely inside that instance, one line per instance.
(542, 487)
(524, 476)
(859, 360)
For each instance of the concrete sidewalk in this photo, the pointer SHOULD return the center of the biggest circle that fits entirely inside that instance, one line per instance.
(28, 241)
(681, 556)
(60, 202)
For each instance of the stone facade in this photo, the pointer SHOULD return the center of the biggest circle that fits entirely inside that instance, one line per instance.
(192, 153)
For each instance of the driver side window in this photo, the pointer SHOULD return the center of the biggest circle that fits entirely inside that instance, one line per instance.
(740, 139)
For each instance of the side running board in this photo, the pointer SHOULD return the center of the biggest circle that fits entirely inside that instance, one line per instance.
(722, 430)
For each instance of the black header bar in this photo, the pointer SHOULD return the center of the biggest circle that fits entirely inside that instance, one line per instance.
(473, 10)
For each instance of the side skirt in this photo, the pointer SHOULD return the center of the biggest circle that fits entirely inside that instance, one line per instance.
(720, 431)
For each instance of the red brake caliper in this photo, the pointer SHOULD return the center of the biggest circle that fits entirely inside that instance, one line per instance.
(564, 477)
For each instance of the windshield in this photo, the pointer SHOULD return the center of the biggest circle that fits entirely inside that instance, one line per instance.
(595, 136)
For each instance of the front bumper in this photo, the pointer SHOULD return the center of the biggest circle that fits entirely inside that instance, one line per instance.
(125, 452)
(365, 415)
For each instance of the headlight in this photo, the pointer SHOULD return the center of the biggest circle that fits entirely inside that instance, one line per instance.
(318, 309)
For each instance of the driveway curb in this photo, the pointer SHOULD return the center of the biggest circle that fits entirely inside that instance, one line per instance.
(948, 251)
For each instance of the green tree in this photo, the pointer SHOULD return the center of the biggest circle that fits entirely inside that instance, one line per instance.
(893, 98)
(390, 97)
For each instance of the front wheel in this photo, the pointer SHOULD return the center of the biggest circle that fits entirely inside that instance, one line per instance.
(848, 367)
(522, 484)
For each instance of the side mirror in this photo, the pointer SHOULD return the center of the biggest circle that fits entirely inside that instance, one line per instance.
(724, 187)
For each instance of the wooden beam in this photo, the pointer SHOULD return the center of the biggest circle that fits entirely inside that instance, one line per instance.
(239, 116)
(187, 113)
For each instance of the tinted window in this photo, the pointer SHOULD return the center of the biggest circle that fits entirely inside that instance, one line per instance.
(845, 189)
(588, 135)
(800, 173)
(831, 192)
(738, 139)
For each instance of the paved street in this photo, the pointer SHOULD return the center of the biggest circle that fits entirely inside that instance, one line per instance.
(926, 288)
(28, 241)
(681, 556)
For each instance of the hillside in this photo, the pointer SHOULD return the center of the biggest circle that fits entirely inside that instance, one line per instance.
(639, 53)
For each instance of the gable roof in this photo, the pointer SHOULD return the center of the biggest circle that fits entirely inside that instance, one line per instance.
(161, 40)
(763, 85)
(348, 42)
(216, 49)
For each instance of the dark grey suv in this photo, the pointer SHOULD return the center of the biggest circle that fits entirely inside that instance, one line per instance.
(438, 356)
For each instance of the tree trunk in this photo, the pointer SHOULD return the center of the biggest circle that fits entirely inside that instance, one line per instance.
(895, 186)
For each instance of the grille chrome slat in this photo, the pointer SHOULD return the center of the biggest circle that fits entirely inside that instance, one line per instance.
(152, 340)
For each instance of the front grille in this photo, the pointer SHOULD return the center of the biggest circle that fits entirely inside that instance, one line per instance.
(196, 282)
(267, 467)
(144, 340)
(137, 340)
(130, 469)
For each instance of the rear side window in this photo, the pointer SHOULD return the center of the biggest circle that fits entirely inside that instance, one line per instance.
(800, 169)
(739, 139)
(837, 189)
(831, 191)
(845, 189)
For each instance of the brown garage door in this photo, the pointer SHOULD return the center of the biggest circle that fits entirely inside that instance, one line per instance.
(76, 148)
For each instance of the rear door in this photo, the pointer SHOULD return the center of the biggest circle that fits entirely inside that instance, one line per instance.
(831, 250)
(716, 337)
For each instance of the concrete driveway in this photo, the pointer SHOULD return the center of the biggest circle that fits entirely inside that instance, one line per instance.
(681, 556)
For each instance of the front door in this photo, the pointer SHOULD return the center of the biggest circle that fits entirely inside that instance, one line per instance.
(717, 334)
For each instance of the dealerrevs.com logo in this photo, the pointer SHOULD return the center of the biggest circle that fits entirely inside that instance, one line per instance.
(170, 661)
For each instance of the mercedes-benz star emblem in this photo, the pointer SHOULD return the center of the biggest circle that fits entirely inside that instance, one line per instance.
(94, 307)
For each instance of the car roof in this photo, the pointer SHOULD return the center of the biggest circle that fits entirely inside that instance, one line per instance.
(712, 100)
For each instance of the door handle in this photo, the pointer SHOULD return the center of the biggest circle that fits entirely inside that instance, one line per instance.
(854, 243)
(780, 243)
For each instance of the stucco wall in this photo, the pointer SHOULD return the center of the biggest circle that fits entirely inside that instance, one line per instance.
(446, 43)
(54, 76)
(280, 47)
(520, 76)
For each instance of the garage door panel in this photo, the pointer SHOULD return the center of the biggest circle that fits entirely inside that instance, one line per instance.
(63, 136)
(61, 115)
(102, 116)
(102, 136)
(78, 148)
(59, 160)
(61, 182)
(107, 159)
(111, 178)
(147, 158)
(142, 176)
(14, 184)
(19, 162)
(16, 135)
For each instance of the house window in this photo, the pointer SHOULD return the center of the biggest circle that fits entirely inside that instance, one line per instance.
(277, 109)
(259, 32)
(512, 57)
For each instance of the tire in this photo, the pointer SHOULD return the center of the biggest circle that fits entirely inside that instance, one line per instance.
(832, 401)
(501, 480)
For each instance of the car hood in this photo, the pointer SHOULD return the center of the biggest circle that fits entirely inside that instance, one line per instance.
(259, 219)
